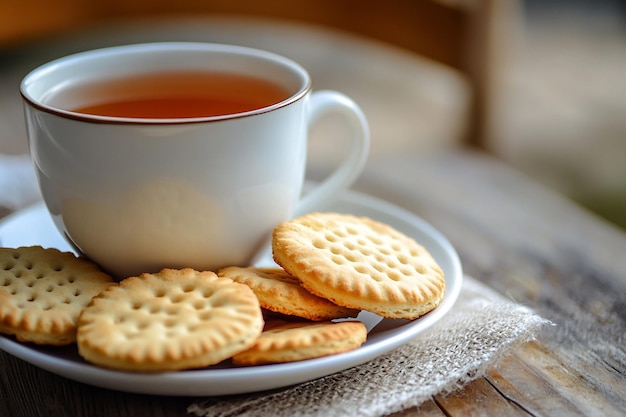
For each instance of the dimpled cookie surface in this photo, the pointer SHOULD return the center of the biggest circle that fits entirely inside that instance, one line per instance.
(42, 292)
(360, 263)
(170, 320)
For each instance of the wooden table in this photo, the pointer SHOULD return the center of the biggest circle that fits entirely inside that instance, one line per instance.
(515, 236)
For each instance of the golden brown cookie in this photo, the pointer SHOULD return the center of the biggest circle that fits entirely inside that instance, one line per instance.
(170, 320)
(359, 263)
(280, 292)
(42, 292)
(296, 341)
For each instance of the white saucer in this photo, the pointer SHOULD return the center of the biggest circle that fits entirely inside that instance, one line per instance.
(33, 226)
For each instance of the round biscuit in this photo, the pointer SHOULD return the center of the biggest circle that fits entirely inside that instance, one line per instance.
(296, 341)
(279, 292)
(171, 320)
(359, 263)
(43, 290)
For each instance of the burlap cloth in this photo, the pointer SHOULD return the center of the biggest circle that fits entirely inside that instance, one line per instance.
(481, 328)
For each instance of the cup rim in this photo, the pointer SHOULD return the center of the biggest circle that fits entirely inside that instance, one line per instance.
(50, 66)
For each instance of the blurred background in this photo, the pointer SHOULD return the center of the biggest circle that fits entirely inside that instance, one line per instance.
(541, 85)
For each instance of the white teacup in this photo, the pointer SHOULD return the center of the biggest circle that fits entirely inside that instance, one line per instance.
(137, 193)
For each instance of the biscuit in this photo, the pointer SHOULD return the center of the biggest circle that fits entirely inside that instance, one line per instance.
(359, 263)
(279, 292)
(296, 341)
(42, 292)
(171, 320)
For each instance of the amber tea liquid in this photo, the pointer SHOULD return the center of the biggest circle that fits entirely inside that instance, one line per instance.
(179, 95)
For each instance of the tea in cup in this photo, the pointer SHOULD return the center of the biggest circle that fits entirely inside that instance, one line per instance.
(179, 154)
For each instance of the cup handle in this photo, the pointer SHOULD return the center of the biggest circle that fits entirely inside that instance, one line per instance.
(323, 102)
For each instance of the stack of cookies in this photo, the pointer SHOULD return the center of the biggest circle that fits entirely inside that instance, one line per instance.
(331, 267)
